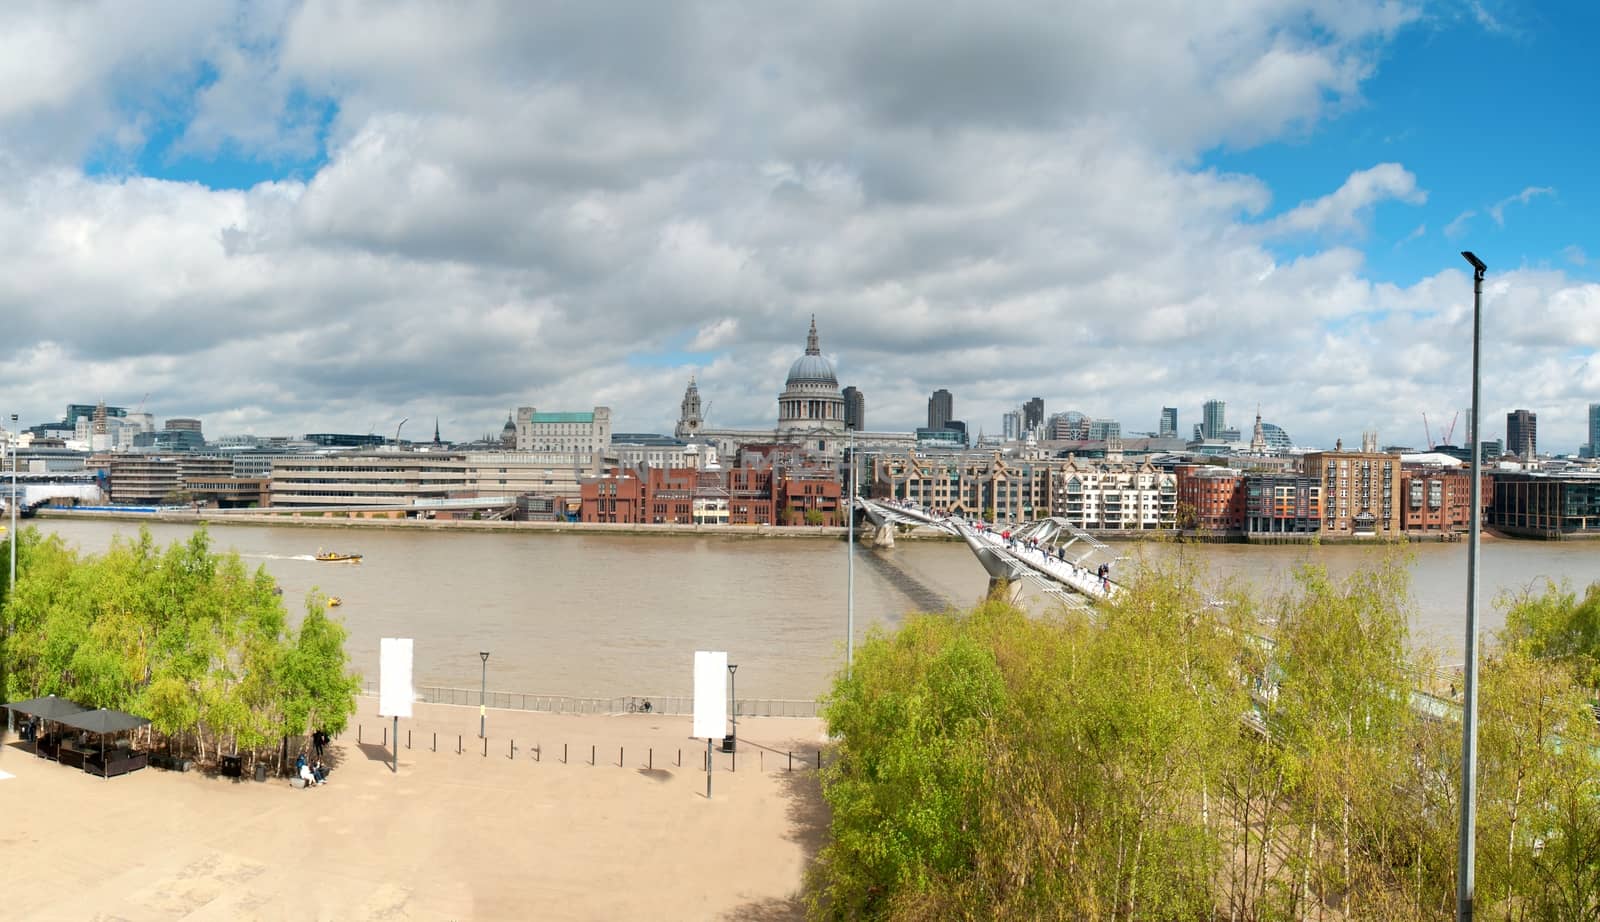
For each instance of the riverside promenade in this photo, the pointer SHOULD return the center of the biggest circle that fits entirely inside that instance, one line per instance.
(469, 836)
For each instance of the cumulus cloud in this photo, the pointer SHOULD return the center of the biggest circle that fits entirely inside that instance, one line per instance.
(551, 208)
(1347, 208)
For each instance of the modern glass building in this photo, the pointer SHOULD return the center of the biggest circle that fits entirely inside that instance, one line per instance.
(1538, 505)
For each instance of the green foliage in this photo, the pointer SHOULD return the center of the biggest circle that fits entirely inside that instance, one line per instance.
(994, 765)
(184, 636)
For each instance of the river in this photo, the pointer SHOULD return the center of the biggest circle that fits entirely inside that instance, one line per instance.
(585, 614)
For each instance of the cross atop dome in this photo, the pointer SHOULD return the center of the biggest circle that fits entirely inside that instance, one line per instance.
(811, 339)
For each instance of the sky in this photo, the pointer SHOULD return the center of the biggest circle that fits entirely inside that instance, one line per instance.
(288, 217)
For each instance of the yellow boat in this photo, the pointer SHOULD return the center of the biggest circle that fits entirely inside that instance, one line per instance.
(336, 556)
(334, 601)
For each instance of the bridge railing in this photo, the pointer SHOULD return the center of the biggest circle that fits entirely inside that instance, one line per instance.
(669, 705)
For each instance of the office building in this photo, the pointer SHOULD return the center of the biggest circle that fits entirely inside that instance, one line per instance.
(1522, 434)
(1538, 505)
(1210, 499)
(1033, 414)
(1214, 419)
(1282, 504)
(941, 409)
(1103, 429)
(1594, 430)
(855, 409)
(579, 434)
(1169, 423)
(1011, 425)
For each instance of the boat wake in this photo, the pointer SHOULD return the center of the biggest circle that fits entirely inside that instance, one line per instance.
(310, 557)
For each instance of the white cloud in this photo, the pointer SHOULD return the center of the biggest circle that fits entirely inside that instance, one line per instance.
(1417, 233)
(515, 208)
(1497, 210)
(1348, 208)
(1458, 224)
(1575, 255)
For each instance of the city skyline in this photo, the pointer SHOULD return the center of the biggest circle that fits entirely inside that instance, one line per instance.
(299, 217)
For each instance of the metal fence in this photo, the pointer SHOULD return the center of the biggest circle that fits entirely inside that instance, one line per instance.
(669, 705)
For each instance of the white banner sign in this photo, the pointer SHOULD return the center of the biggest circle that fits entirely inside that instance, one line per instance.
(395, 693)
(710, 694)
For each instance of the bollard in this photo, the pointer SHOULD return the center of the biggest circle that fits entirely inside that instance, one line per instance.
(563, 753)
(791, 763)
(385, 736)
(819, 760)
(436, 741)
(761, 760)
(512, 752)
(591, 754)
(358, 734)
(652, 763)
(458, 744)
(486, 747)
(408, 737)
(680, 756)
(620, 763)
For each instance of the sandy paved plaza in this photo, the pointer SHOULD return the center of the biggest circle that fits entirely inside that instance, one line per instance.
(448, 837)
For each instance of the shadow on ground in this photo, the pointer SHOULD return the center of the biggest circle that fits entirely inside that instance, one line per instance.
(655, 774)
(808, 825)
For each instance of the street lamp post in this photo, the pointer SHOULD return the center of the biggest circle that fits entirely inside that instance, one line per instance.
(733, 710)
(1469, 706)
(850, 551)
(11, 586)
(483, 693)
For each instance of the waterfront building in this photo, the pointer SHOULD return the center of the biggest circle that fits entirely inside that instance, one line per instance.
(760, 493)
(1541, 505)
(1436, 496)
(390, 478)
(855, 409)
(1215, 420)
(1108, 496)
(1282, 504)
(941, 409)
(981, 484)
(1360, 491)
(1522, 434)
(150, 480)
(1211, 498)
(1169, 423)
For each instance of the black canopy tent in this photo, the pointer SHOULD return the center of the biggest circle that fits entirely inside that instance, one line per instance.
(106, 722)
(48, 707)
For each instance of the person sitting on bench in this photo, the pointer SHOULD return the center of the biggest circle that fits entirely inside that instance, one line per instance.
(319, 772)
(306, 774)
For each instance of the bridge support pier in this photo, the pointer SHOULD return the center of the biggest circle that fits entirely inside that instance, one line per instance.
(1003, 590)
(883, 535)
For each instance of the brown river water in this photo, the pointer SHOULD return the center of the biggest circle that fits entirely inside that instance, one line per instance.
(585, 614)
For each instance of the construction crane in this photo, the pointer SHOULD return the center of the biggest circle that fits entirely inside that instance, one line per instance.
(1426, 433)
(1450, 432)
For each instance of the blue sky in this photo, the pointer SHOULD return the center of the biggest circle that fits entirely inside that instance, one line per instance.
(307, 215)
(1479, 115)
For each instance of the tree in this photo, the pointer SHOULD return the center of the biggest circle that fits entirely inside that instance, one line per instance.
(184, 636)
(813, 517)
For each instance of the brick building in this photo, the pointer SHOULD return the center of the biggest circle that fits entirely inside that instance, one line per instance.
(1438, 500)
(754, 495)
(1211, 499)
(1360, 492)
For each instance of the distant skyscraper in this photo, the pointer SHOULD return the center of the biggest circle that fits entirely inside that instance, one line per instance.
(941, 409)
(1011, 425)
(855, 409)
(1169, 423)
(1522, 433)
(1215, 419)
(1594, 430)
(1033, 414)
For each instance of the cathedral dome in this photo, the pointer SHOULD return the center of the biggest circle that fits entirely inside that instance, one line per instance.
(812, 368)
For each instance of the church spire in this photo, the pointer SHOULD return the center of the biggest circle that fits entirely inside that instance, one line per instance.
(811, 339)
(436, 431)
